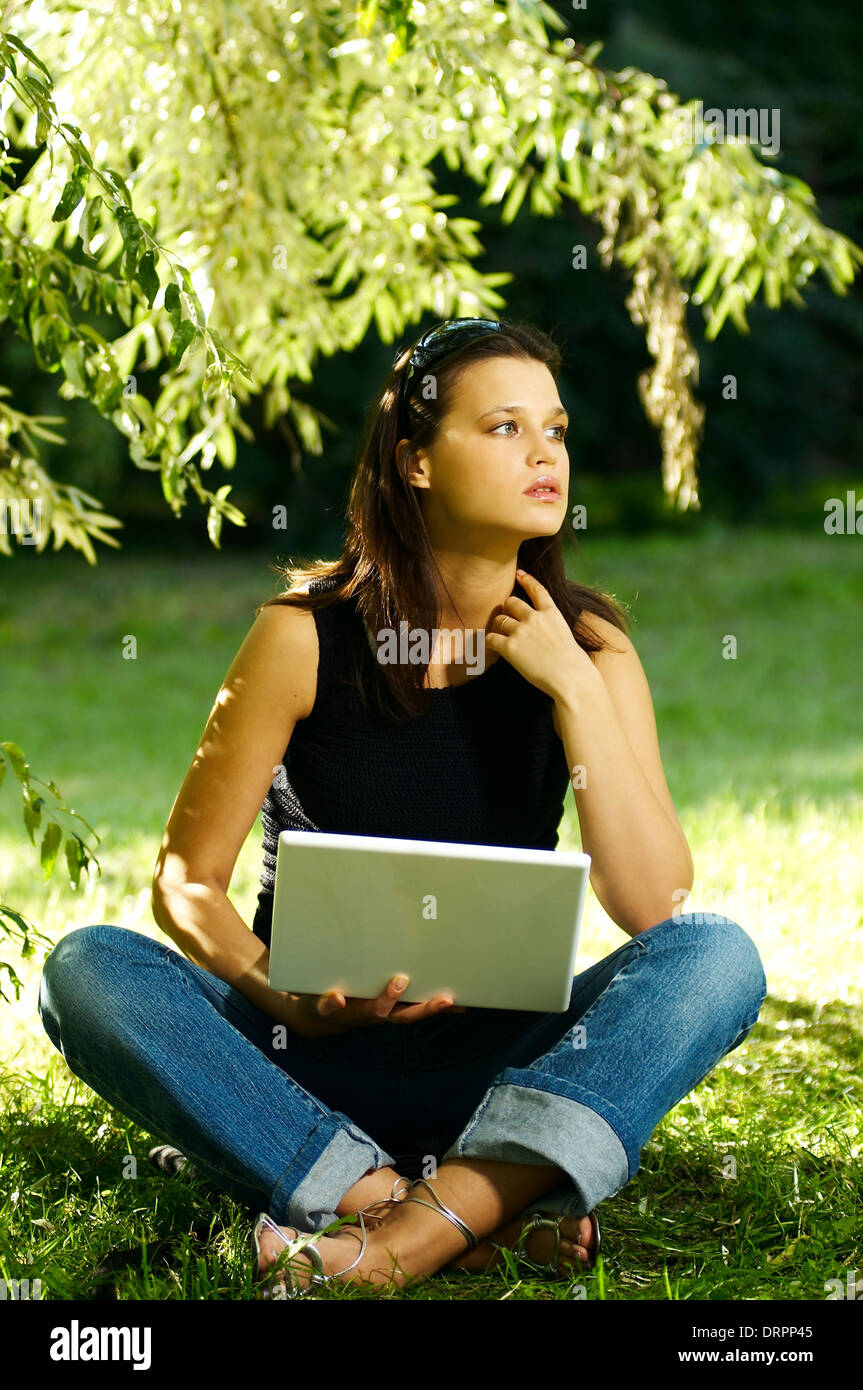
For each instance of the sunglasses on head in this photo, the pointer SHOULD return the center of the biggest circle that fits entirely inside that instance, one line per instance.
(437, 343)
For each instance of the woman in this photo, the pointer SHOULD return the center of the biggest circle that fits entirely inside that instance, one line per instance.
(511, 1126)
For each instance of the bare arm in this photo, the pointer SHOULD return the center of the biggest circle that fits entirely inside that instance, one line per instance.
(640, 859)
(268, 688)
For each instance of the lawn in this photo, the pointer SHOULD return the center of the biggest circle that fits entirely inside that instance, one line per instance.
(749, 1188)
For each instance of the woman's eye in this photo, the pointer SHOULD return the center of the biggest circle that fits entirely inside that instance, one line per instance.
(560, 429)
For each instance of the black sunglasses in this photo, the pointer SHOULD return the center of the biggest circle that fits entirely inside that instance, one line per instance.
(437, 343)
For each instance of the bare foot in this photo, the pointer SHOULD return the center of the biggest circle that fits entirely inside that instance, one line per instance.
(336, 1251)
(576, 1245)
(378, 1265)
(342, 1247)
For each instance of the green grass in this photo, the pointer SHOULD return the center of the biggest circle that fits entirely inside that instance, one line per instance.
(749, 1188)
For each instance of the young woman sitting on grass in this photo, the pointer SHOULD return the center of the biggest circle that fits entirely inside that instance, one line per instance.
(457, 1132)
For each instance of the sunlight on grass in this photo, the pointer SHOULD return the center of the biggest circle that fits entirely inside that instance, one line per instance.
(746, 1188)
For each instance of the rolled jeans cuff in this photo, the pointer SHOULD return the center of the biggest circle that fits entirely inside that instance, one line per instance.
(561, 1125)
(335, 1155)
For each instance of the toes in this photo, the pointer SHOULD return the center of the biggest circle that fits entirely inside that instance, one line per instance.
(580, 1231)
(574, 1251)
(271, 1247)
(575, 1230)
(576, 1241)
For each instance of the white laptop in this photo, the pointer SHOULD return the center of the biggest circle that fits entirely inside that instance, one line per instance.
(494, 926)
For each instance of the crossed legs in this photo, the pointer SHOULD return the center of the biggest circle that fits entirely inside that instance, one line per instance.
(412, 1240)
(137, 1022)
(655, 1019)
(505, 1190)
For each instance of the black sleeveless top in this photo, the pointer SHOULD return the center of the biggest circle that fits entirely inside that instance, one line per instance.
(482, 766)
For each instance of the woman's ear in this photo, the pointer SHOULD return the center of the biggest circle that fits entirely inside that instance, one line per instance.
(413, 464)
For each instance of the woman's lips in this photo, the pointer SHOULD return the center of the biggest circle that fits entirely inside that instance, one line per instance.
(544, 494)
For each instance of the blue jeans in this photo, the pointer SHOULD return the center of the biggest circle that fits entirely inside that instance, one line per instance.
(288, 1124)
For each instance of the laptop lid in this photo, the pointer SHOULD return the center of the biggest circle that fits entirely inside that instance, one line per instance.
(495, 926)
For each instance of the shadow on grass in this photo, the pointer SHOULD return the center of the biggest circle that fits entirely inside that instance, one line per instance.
(747, 1190)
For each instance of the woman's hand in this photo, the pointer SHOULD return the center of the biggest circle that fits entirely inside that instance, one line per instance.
(539, 642)
(322, 1015)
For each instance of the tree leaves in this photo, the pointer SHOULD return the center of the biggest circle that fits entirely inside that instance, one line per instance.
(16, 760)
(76, 858)
(74, 363)
(50, 844)
(120, 186)
(28, 52)
(38, 287)
(184, 334)
(304, 239)
(90, 221)
(147, 277)
(35, 806)
(172, 303)
(71, 196)
(130, 230)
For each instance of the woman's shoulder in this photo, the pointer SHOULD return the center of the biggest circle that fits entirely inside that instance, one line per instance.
(615, 642)
(312, 637)
(289, 633)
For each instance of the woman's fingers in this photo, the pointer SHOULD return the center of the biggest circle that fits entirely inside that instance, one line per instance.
(515, 608)
(412, 1013)
(536, 592)
(387, 1007)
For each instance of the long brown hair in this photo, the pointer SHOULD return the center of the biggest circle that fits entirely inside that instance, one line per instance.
(387, 564)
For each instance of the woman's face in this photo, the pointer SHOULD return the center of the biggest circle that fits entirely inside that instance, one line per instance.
(504, 431)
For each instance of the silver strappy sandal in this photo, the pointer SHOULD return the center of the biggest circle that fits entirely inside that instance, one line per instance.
(460, 1225)
(304, 1245)
(537, 1221)
(286, 1288)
